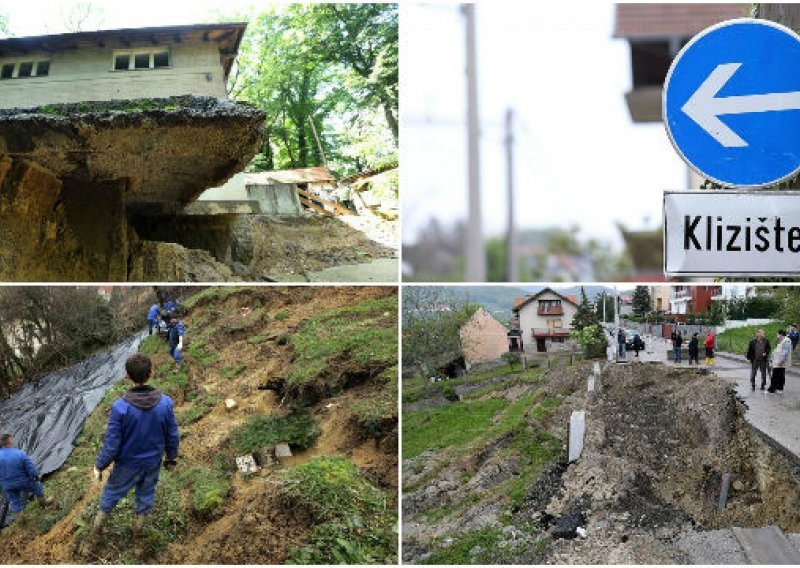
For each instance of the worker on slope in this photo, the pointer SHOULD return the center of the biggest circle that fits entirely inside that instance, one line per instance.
(141, 428)
(18, 475)
(175, 333)
(153, 317)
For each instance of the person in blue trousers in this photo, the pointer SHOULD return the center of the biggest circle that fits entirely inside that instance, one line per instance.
(175, 333)
(141, 430)
(153, 317)
(18, 476)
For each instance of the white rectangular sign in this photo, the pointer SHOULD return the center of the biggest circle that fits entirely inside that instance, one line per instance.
(731, 233)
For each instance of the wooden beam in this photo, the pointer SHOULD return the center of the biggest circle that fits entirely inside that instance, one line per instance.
(314, 207)
(335, 206)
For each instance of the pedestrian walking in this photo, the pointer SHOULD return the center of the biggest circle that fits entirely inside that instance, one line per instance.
(694, 349)
(19, 476)
(781, 358)
(758, 351)
(638, 344)
(710, 345)
(621, 342)
(677, 342)
(141, 429)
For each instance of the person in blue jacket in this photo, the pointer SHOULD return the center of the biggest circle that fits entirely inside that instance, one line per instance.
(141, 429)
(175, 333)
(153, 317)
(18, 475)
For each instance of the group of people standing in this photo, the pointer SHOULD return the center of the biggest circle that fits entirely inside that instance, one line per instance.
(709, 343)
(772, 363)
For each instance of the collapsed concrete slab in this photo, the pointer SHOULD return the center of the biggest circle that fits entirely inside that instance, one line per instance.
(71, 174)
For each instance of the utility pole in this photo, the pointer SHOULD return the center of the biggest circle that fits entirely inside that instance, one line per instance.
(476, 250)
(511, 237)
(603, 299)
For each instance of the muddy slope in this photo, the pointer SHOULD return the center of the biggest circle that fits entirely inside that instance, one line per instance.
(206, 512)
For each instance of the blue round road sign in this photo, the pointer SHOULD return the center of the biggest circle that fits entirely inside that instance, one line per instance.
(731, 103)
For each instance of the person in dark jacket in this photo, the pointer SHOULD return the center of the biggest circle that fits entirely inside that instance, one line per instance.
(638, 344)
(677, 342)
(18, 475)
(694, 349)
(153, 317)
(141, 429)
(621, 342)
(758, 354)
(175, 339)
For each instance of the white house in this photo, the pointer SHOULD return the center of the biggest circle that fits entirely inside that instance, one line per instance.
(544, 320)
(121, 64)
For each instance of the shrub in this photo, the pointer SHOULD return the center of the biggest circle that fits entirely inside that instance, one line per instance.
(593, 341)
(282, 315)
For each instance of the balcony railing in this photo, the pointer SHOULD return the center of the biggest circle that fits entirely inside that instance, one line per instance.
(549, 331)
(550, 311)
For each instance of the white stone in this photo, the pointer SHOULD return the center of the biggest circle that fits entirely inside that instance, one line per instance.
(247, 464)
(282, 450)
(577, 428)
(230, 404)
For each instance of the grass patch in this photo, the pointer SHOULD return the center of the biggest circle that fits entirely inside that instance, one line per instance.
(232, 371)
(420, 388)
(364, 336)
(152, 344)
(214, 293)
(282, 315)
(449, 425)
(736, 340)
(354, 520)
(201, 352)
(256, 339)
(298, 430)
(459, 551)
(208, 489)
(168, 381)
(377, 414)
(200, 407)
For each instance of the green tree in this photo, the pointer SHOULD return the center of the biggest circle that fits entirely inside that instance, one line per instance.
(592, 340)
(585, 315)
(641, 301)
(608, 301)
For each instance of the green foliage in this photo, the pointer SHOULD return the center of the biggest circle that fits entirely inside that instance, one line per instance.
(736, 340)
(325, 64)
(421, 387)
(764, 306)
(363, 336)
(208, 489)
(232, 371)
(282, 315)
(298, 429)
(256, 339)
(204, 354)
(608, 301)
(641, 301)
(170, 381)
(584, 316)
(282, 339)
(511, 358)
(592, 340)
(354, 520)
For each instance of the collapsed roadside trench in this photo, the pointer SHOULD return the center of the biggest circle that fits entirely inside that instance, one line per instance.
(646, 488)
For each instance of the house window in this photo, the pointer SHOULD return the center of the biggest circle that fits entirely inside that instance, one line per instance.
(25, 69)
(22, 69)
(133, 60)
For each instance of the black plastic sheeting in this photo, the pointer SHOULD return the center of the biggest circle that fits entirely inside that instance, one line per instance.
(47, 415)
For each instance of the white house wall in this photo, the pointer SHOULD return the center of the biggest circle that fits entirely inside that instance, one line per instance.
(87, 74)
(529, 319)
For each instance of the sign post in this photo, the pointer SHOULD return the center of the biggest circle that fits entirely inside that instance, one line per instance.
(731, 108)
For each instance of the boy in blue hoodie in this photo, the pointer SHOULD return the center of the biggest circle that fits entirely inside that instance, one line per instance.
(141, 429)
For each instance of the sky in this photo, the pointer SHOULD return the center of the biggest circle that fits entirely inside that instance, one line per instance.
(35, 17)
(580, 160)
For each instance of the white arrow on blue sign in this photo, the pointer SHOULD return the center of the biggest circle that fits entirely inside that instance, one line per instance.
(731, 103)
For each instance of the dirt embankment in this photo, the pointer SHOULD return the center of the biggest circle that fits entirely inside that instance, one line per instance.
(658, 442)
(208, 513)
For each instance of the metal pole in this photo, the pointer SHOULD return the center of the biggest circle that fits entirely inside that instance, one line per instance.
(603, 297)
(476, 251)
(511, 237)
